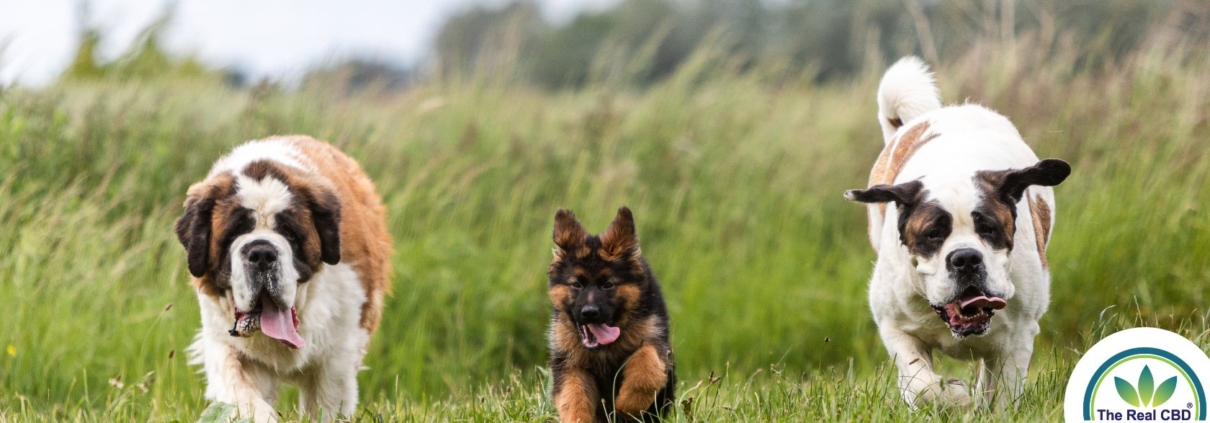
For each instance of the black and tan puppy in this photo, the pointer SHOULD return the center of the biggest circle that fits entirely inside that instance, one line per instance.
(609, 350)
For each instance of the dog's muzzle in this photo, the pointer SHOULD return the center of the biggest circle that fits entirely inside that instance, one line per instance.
(262, 267)
(269, 313)
(971, 311)
(594, 329)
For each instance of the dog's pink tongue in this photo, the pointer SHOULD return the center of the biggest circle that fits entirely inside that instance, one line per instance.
(605, 334)
(982, 302)
(280, 324)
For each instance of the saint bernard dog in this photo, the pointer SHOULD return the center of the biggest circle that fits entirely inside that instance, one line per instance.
(289, 251)
(960, 213)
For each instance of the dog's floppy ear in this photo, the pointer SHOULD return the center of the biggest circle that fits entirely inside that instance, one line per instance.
(904, 194)
(569, 234)
(1013, 183)
(620, 239)
(193, 228)
(325, 215)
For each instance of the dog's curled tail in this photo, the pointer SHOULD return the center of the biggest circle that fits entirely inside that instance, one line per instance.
(907, 91)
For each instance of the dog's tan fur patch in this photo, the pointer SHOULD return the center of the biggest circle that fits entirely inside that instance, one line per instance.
(922, 219)
(988, 183)
(896, 154)
(560, 295)
(1041, 216)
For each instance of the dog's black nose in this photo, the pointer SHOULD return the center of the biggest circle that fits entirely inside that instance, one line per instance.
(262, 255)
(590, 312)
(965, 260)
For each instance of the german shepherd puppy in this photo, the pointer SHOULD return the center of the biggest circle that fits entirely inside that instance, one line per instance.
(609, 352)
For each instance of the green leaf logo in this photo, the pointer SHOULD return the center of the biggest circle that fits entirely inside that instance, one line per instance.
(1126, 391)
(1164, 392)
(1147, 394)
(1146, 386)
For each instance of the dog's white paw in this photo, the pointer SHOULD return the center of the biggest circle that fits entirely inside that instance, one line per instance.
(222, 412)
(255, 412)
(941, 392)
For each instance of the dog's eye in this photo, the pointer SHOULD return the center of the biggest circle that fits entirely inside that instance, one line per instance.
(983, 226)
(934, 234)
(608, 285)
(576, 284)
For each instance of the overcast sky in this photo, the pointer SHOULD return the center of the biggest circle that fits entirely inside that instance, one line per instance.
(274, 38)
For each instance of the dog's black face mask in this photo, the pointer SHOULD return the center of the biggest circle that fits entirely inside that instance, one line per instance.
(594, 303)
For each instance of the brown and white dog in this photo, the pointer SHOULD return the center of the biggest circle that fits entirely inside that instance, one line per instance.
(964, 240)
(289, 251)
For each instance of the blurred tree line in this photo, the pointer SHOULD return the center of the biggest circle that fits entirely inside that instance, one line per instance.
(641, 41)
(144, 59)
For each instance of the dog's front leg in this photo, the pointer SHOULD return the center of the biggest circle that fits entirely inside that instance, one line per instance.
(918, 383)
(575, 396)
(233, 381)
(329, 392)
(642, 377)
(1002, 378)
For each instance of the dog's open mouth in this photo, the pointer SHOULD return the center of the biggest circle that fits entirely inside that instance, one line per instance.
(594, 335)
(971, 313)
(274, 321)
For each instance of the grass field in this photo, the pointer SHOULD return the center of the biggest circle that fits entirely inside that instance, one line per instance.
(735, 180)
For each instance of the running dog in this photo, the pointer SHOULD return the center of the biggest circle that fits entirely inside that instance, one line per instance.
(288, 247)
(962, 246)
(609, 351)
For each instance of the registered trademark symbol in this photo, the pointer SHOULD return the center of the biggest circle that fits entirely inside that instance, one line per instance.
(1189, 405)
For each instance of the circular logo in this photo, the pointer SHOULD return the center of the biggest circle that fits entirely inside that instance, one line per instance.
(1140, 374)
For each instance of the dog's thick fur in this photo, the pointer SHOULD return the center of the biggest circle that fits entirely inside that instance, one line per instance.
(964, 239)
(320, 231)
(632, 376)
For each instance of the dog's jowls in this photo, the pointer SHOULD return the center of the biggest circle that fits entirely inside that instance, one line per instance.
(609, 349)
(287, 244)
(960, 212)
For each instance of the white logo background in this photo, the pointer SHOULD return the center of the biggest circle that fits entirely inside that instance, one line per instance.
(1107, 397)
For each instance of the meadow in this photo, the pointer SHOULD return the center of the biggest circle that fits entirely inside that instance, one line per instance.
(735, 177)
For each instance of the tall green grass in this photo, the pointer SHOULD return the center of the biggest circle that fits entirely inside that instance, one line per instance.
(735, 180)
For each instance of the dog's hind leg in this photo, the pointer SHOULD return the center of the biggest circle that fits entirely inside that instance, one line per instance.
(918, 382)
(643, 376)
